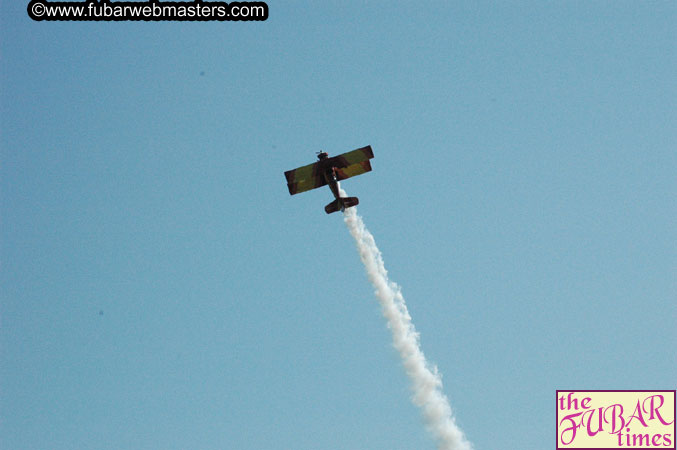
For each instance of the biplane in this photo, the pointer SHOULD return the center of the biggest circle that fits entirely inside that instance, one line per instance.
(329, 171)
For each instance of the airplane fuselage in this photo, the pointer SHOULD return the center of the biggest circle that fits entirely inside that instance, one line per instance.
(329, 172)
(330, 178)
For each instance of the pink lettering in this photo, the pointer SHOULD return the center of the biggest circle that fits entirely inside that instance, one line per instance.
(653, 409)
(616, 416)
(591, 414)
(637, 414)
(572, 427)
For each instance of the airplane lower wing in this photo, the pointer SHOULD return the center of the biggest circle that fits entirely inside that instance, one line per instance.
(304, 178)
(353, 170)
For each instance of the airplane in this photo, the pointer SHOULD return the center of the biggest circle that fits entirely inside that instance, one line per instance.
(329, 171)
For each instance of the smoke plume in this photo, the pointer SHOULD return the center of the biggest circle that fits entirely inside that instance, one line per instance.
(425, 379)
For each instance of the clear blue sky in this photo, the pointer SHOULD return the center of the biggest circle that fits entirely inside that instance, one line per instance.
(160, 289)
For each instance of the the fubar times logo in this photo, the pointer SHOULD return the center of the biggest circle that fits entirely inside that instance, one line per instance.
(606, 420)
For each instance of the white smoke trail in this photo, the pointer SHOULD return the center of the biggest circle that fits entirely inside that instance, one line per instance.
(426, 381)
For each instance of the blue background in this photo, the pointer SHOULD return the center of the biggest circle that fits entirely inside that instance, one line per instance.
(160, 289)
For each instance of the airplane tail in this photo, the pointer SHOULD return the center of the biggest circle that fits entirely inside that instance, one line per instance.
(345, 202)
(350, 201)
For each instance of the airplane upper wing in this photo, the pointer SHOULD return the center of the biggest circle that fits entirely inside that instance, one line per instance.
(347, 165)
(352, 163)
(304, 178)
(360, 155)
